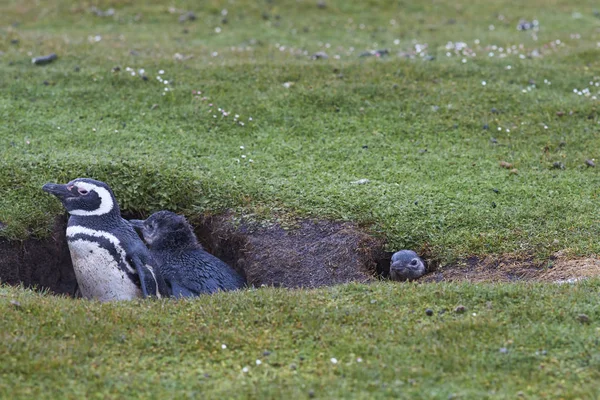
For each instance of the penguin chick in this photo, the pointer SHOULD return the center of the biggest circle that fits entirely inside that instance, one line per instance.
(406, 265)
(109, 259)
(186, 267)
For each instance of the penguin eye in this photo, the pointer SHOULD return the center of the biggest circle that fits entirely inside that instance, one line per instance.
(82, 191)
(413, 262)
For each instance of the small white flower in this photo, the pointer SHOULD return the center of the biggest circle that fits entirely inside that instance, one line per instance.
(166, 82)
(396, 41)
(161, 72)
(218, 29)
(499, 128)
(258, 362)
(359, 360)
(132, 73)
(250, 160)
(334, 360)
(141, 71)
(214, 54)
(241, 147)
(58, 127)
(507, 130)
(243, 156)
(241, 123)
(474, 314)
(237, 116)
(483, 83)
(223, 346)
(245, 370)
(249, 118)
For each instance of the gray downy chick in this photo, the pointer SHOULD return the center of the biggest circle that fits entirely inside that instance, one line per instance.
(406, 265)
(185, 266)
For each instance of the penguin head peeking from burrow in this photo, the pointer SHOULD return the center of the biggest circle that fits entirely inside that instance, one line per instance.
(85, 197)
(167, 230)
(406, 265)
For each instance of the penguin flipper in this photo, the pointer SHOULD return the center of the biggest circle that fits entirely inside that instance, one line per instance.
(179, 291)
(148, 279)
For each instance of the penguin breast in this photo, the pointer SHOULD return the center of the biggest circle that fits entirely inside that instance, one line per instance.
(98, 273)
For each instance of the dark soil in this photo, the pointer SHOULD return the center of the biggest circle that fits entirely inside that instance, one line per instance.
(45, 264)
(312, 254)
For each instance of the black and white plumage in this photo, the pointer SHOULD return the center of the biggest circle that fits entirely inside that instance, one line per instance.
(186, 267)
(406, 265)
(109, 259)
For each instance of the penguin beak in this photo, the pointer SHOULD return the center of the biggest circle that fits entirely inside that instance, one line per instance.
(59, 191)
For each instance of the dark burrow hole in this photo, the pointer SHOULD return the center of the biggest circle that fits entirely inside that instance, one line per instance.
(310, 254)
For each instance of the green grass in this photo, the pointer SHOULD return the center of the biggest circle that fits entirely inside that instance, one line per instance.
(512, 338)
(306, 141)
(341, 120)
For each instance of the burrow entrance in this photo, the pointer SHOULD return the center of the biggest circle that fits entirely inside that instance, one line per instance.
(308, 254)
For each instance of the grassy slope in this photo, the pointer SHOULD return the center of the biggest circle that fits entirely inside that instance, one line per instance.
(513, 338)
(307, 141)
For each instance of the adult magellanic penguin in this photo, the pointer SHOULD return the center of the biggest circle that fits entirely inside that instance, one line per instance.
(187, 268)
(109, 259)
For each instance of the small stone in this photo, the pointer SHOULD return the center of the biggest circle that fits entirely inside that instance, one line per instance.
(360, 182)
(429, 312)
(116, 69)
(460, 309)
(14, 41)
(44, 59)
(76, 69)
(188, 16)
(311, 394)
(293, 366)
(320, 55)
(503, 350)
(154, 106)
(583, 318)
(560, 113)
(486, 127)
(514, 171)
(321, 4)
(558, 165)
(266, 353)
(590, 163)
(15, 303)
(506, 165)
(494, 110)
(99, 13)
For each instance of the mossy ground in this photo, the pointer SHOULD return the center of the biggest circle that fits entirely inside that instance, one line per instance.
(512, 338)
(413, 126)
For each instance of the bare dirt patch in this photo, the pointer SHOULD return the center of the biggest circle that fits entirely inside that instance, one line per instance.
(312, 254)
(514, 268)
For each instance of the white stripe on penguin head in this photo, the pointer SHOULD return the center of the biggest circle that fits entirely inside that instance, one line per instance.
(106, 200)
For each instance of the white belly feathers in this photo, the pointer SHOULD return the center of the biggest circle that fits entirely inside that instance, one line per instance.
(96, 269)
